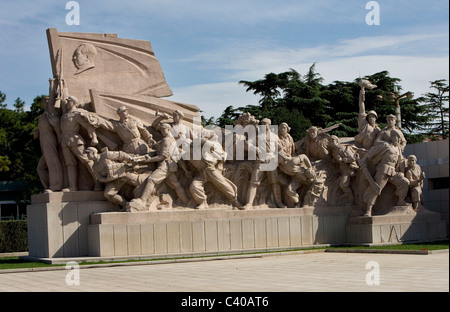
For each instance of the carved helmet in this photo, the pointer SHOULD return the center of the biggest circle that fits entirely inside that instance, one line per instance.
(372, 112)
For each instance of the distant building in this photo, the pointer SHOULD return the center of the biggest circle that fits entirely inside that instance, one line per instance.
(10, 207)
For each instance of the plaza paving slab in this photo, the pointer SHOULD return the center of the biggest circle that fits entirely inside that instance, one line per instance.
(311, 272)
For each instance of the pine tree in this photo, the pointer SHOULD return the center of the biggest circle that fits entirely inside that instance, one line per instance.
(437, 103)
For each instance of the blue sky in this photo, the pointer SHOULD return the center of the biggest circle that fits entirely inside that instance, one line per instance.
(206, 46)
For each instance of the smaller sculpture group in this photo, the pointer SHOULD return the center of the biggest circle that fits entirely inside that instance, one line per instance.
(384, 151)
(251, 166)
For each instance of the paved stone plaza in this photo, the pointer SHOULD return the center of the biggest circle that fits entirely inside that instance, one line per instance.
(291, 272)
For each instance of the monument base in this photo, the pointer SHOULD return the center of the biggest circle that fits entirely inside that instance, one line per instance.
(402, 225)
(83, 224)
(58, 222)
(212, 231)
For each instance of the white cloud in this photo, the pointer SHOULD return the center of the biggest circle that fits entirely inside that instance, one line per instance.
(345, 61)
(213, 98)
(381, 43)
(252, 58)
(240, 40)
(415, 73)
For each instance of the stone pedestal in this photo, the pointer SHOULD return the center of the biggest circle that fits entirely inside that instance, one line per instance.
(58, 222)
(83, 224)
(423, 226)
(214, 230)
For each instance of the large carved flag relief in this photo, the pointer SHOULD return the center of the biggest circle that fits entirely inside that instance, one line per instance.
(118, 71)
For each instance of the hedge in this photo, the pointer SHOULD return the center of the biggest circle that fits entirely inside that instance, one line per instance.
(13, 236)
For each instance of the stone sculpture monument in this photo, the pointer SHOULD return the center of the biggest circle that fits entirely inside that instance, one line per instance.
(111, 142)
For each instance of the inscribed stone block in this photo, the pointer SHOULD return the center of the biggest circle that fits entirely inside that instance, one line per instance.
(295, 233)
(260, 233)
(235, 234)
(223, 235)
(248, 234)
(198, 236)
(106, 233)
(134, 239)
(147, 239)
(272, 232)
(173, 237)
(307, 230)
(160, 232)
(55, 234)
(120, 240)
(339, 226)
(375, 234)
(211, 243)
(283, 232)
(84, 212)
(328, 229)
(186, 243)
(69, 215)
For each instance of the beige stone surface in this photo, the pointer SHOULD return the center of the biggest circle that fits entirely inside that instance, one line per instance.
(144, 107)
(396, 231)
(216, 231)
(104, 74)
(195, 215)
(119, 65)
(168, 203)
(66, 197)
(60, 229)
(290, 272)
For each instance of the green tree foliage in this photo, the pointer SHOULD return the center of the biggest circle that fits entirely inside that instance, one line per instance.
(19, 105)
(344, 106)
(13, 236)
(228, 117)
(293, 92)
(2, 100)
(302, 101)
(4, 163)
(438, 110)
(19, 151)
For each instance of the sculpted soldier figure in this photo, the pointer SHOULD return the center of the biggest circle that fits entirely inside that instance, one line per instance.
(345, 158)
(210, 169)
(301, 173)
(385, 134)
(314, 144)
(243, 138)
(415, 175)
(267, 153)
(182, 134)
(298, 168)
(367, 127)
(135, 137)
(73, 144)
(117, 170)
(286, 145)
(49, 168)
(166, 157)
(386, 157)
